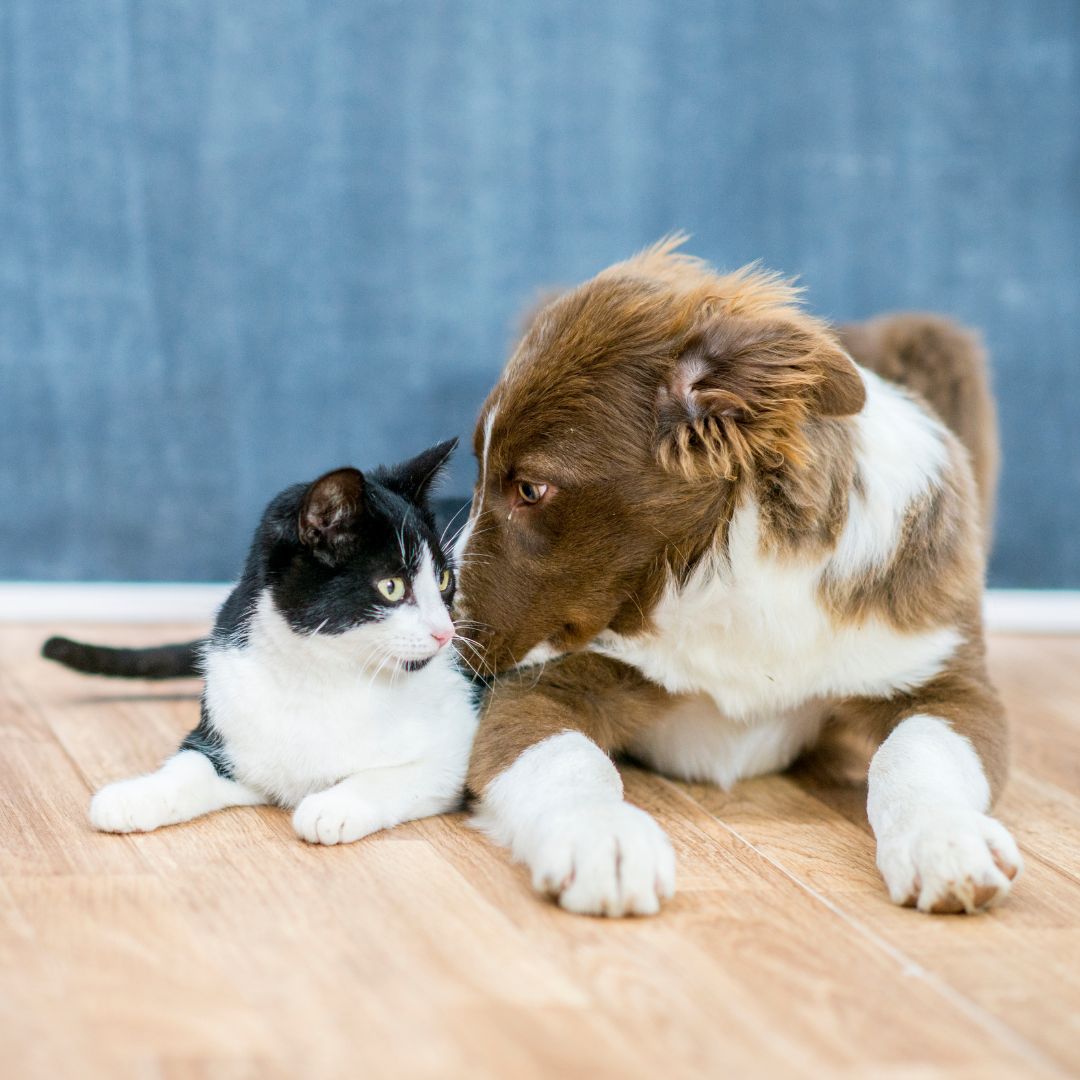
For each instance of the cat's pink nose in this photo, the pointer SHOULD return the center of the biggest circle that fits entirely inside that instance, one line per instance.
(443, 637)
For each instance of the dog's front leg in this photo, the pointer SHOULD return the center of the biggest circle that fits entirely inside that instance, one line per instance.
(931, 783)
(549, 791)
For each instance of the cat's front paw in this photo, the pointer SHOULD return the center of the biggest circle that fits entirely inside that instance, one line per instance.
(333, 817)
(137, 805)
(949, 862)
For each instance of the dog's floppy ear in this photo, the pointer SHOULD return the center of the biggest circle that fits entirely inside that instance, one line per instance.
(330, 513)
(738, 394)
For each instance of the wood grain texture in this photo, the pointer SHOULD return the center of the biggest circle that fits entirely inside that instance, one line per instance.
(227, 948)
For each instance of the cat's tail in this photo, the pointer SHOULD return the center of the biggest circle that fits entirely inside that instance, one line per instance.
(157, 662)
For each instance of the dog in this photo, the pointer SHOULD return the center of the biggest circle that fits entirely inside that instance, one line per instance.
(714, 538)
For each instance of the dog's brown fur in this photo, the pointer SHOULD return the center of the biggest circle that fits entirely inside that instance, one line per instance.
(945, 365)
(647, 399)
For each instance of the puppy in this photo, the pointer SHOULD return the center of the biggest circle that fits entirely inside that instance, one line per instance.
(715, 536)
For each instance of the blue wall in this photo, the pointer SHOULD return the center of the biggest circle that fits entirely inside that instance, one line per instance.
(243, 242)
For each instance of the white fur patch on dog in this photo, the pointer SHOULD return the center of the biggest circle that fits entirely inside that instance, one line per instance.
(752, 634)
(560, 810)
(937, 848)
(749, 630)
(694, 740)
(465, 535)
(901, 451)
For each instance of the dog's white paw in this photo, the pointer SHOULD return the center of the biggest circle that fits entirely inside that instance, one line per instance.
(137, 805)
(333, 817)
(605, 859)
(951, 861)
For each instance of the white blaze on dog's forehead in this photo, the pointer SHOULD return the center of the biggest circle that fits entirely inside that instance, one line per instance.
(466, 533)
(489, 423)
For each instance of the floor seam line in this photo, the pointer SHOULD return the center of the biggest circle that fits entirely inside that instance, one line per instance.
(986, 1020)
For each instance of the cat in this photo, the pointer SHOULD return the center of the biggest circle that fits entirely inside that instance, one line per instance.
(332, 686)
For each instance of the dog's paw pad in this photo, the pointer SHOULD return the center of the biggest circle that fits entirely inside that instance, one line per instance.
(950, 862)
(605, 860)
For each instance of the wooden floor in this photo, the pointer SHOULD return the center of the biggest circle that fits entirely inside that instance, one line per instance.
(228, 948)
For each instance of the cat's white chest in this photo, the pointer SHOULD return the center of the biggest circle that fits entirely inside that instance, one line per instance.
(293, 729)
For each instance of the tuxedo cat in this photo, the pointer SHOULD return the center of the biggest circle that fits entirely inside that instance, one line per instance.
(332, 685)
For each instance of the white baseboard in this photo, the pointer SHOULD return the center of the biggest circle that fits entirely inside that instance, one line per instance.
(1033, 611)
(84, 601)
(1017, 611)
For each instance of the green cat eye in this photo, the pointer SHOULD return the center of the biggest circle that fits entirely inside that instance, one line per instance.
(444, 581)
(393, 588)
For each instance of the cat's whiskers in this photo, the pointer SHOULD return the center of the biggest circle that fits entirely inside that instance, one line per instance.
(398, 664)
(385, 660)
(470, 520)
(458, 531)
(475, 532)
(369, 656)
(476, 628)
(474, 557)
(538, 668)
(479, 665)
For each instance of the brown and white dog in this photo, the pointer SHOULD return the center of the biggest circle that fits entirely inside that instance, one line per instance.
(714, 537)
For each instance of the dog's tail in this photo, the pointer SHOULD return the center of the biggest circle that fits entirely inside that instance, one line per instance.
(158, 662)
(945, 364)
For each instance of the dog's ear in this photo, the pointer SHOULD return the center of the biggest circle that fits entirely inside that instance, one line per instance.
(739, 392)
(330, 515)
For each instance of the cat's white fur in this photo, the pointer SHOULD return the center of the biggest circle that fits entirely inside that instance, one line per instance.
(748, 638)
(327, 724)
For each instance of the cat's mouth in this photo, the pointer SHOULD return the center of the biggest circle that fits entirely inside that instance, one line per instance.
(416, 665)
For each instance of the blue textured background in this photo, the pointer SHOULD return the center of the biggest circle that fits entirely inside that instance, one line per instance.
(243, 242)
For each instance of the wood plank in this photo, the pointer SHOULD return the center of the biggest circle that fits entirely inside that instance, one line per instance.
(227, 948)
(994, 961)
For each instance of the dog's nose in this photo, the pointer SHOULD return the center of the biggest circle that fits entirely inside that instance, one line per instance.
(442, 637)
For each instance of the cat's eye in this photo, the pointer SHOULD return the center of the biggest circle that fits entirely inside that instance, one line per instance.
(393, 588)
(531, 493)
(444, 581)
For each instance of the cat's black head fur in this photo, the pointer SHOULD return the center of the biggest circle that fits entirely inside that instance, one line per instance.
(321, 548)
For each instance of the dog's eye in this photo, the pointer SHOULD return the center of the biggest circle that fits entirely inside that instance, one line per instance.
(531, 493)
(444, 581)
(393, 588)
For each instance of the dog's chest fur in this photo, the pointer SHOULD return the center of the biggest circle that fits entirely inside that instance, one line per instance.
(749, 635)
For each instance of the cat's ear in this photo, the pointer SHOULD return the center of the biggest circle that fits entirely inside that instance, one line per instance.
(329, 515)
(414, 479)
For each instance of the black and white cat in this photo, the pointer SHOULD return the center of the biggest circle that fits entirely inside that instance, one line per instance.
(331, 683)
